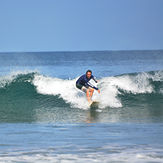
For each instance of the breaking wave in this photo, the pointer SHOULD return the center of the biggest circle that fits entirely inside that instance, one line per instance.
(28, 91)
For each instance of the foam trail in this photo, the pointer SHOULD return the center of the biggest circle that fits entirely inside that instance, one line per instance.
(64, 88)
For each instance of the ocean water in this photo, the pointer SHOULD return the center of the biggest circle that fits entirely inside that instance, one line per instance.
(45, 118)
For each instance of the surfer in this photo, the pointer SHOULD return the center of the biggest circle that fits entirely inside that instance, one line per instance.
(83, 84)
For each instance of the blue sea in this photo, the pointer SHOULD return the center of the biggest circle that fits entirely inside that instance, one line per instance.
(44, 118)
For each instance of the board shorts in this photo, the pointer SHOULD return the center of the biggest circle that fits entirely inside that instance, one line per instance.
(82, 87)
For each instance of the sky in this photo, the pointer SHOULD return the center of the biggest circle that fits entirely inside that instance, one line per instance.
(80, 25)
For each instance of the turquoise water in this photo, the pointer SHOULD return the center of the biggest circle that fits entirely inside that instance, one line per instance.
(44, 118)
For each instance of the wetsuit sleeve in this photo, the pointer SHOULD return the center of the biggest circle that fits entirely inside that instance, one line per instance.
(92, 86)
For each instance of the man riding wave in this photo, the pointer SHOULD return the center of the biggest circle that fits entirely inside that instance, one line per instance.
(83, 84)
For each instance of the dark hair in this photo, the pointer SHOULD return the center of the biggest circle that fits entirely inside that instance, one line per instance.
(89, 71)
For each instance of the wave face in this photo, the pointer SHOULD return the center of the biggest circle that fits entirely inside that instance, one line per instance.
(30, 97)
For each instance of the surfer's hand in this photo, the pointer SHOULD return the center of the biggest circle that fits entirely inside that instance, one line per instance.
(98, 91)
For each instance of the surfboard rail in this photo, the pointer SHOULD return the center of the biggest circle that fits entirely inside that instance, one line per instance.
(94, 104)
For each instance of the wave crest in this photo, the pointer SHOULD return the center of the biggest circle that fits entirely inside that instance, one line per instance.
(112, 88)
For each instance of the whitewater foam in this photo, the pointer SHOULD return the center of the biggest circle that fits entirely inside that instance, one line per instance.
(110, 88)
(114, 154)
(64, 88)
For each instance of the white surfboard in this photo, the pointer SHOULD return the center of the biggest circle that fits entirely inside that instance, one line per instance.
(94, 104)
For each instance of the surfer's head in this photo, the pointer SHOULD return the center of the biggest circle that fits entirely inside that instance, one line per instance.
(88, 73)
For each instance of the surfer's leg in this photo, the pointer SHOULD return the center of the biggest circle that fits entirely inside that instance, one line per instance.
(91, 92)
(88, 95)
(87, 91)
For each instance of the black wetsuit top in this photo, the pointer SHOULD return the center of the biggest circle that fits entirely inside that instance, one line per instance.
(84, 81)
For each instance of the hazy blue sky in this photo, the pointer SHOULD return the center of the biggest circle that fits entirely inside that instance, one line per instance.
(63, 25)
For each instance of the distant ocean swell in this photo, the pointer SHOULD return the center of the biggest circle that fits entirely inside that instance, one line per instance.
(28, 91)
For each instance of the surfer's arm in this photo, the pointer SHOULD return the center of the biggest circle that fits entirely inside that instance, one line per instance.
(90, 85)
(95, 87)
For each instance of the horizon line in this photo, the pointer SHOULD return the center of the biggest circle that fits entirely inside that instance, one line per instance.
(66, 51)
